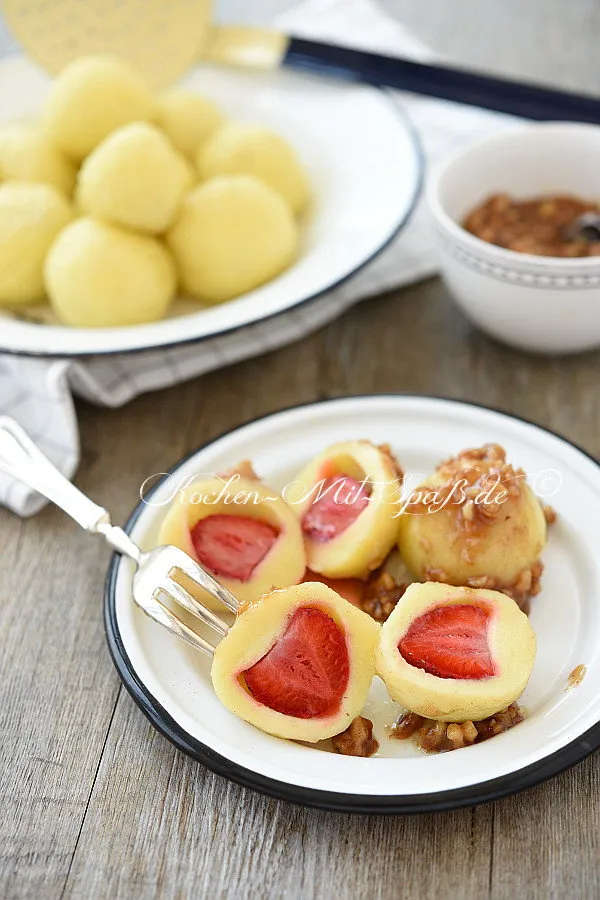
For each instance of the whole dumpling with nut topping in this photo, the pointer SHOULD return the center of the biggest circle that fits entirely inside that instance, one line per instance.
(476, 522)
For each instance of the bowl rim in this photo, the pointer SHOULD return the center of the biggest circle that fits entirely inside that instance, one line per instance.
(477, 245)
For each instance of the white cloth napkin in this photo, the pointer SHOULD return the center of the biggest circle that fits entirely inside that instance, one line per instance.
(39, 393)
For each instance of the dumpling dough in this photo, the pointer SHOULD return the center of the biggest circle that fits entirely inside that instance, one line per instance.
(454, 653)
(347, 500)
(241, 148)
(27, 155)
(134, 178)
(99, 276)
(282, 563)
(232, 234)
(316, 681)
(187, 119)
(472, 539)
(31, 215)
(92, 97)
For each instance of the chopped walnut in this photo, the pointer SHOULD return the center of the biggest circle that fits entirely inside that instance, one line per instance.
(527, 583)
(387, 451)
(549, 514)
(244, 469)
(475, 485)
(357, 739)
(406, 726)
(382, 593)
(441, 737)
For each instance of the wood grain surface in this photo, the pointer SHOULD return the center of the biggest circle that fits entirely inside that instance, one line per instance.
(93, 802)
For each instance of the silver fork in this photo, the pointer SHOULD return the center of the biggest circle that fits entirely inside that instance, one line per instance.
(156, 570)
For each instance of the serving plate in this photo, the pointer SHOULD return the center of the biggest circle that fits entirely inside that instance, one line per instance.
(171, 684)
(364, 165)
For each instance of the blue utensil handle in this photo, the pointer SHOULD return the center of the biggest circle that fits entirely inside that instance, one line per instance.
(526, 100)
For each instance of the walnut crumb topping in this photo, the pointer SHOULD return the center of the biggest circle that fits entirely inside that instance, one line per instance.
(441, 737)
(381, 595)
(357, 739)
(475, 485)
(244, 469)
(397, 468)
(527, 584)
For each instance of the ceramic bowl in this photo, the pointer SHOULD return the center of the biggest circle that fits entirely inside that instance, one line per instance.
(543, 304)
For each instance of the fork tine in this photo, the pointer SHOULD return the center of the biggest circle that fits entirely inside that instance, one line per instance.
(206, 581)
(160, 614)
(193, 606)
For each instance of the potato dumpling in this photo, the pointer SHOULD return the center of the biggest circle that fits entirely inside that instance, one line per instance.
(298, 663)
(92, 97)
(27, 155)
(187, 119)
(455, 654)
(347, 500)
(100, 276)
(475, 522)
(31, 215)
(134, 178)
(241, 148)
(232, 234)
(250, 545)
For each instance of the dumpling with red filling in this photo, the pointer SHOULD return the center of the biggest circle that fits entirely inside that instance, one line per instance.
(348, 501)
(454, 653)
(240, 531)
(297, 663)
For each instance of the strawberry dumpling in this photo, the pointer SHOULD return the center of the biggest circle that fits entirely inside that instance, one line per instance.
(298, 663)
(240, 531)
(454, 653)
(347, 500)
(476, 522)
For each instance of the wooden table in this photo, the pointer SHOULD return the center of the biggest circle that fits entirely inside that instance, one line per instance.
(94, 802)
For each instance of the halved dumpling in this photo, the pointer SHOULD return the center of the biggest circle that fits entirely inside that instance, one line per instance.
(347, 500)
(242, 532)
(298, 663)
(476, 522)
(454, 653)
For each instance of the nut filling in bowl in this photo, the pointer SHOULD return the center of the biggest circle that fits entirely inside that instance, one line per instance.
(497, 209)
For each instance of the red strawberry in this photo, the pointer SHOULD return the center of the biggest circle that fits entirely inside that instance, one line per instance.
(306, 671)
(339, 502)
(351, 589)
(232, 545)
(450, 642)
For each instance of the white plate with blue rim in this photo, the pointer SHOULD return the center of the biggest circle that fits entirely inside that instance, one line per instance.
(171, 683)
(365, 168)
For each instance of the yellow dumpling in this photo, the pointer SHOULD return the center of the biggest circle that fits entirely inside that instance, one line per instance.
(232, 234)
(476, 522)
(243, 148)
(99, 276)
(187, 119)
(31, 215)
(134, 178)
(92, 97)
(27, 155)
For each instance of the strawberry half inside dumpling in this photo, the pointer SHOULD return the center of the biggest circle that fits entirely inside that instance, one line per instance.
(297, 663)
(341, 501)
(245, 535)
(455, 653)
(305, 673)
(232, 545)
(347, 500)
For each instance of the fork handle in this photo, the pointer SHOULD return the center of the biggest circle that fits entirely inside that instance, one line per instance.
(22, 459)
